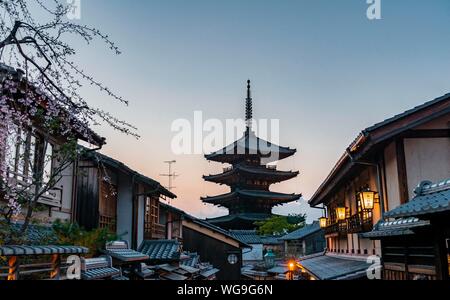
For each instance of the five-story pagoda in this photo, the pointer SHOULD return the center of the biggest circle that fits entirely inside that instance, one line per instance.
(249, 178)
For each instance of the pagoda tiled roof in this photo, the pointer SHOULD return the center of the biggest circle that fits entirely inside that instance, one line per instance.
(242, 216)
(274, 196)
(250, 144)
(259, 171)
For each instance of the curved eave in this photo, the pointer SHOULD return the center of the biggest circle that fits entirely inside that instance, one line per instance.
(280, 198)
(224, 157)
(269, 175)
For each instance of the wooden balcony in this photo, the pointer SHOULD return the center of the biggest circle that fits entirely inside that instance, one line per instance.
(155, 232)
(360, 222)
(339, 227)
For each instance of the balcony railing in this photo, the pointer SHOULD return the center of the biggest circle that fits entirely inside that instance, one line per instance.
(156, 231)
(360, 222)
(337, 227)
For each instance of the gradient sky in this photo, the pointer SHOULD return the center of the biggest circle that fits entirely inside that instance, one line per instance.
(320, 66)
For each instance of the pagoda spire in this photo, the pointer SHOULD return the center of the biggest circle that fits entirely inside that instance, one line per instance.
(248, 107)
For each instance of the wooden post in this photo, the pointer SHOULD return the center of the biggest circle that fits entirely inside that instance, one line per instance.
(13, 264)
(56, 267)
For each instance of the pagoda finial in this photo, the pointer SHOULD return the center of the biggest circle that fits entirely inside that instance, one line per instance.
(248, 107)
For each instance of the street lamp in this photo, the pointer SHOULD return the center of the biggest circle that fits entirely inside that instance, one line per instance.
(269, 259)
(291, 267)
(341, 213)
(367, 199)
(323, 222)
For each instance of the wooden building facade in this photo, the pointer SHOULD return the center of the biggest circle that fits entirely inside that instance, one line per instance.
(385, 161)
(111, 195)
(33, 149)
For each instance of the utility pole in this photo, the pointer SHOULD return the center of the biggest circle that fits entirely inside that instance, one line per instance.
(170, 175)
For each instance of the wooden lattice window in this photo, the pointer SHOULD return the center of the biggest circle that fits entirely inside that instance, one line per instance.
(108, 206)
(152, 228)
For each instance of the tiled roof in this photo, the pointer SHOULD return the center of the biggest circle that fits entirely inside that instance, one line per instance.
(164, 250)
(243, 216)
(121, 166)
(250, 143)
(279, 270)
(207, 224)
(407, 112)
(441, 106)
(252, 237)
(395, 228)
(326, 267)
(271, 240)
(247, 236)
(41, 250)
(275, 197)
(302, 232)
(430, 198)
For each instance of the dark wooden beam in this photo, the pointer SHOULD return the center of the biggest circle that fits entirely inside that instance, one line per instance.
(401, 171)
(427, 133)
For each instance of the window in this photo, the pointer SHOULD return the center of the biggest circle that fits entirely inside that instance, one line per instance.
(232, 259)
(48, 162)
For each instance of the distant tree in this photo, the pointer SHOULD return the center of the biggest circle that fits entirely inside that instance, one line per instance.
(278, 225)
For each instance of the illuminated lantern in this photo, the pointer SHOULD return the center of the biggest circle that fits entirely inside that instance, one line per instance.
(291, 266)
(367, 199)
(323, 222)
(269, 259)
(341, 213)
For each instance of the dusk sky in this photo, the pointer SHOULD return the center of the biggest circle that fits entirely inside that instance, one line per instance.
(319, 66)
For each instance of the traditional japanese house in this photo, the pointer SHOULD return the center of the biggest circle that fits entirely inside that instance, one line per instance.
(214, 245)
(33, 150)
(375, 175)
(260, 244)
(111, 195)
(415, 236)
(249, 178)
(172, 218)
(304, 241)
(169, 261)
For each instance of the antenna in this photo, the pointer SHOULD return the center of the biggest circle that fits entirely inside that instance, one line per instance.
(170, 175)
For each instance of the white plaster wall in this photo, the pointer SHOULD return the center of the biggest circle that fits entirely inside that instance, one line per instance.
(124, 207)
(392, 184)
(66, 183)
(426, 159)
(140, 221)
